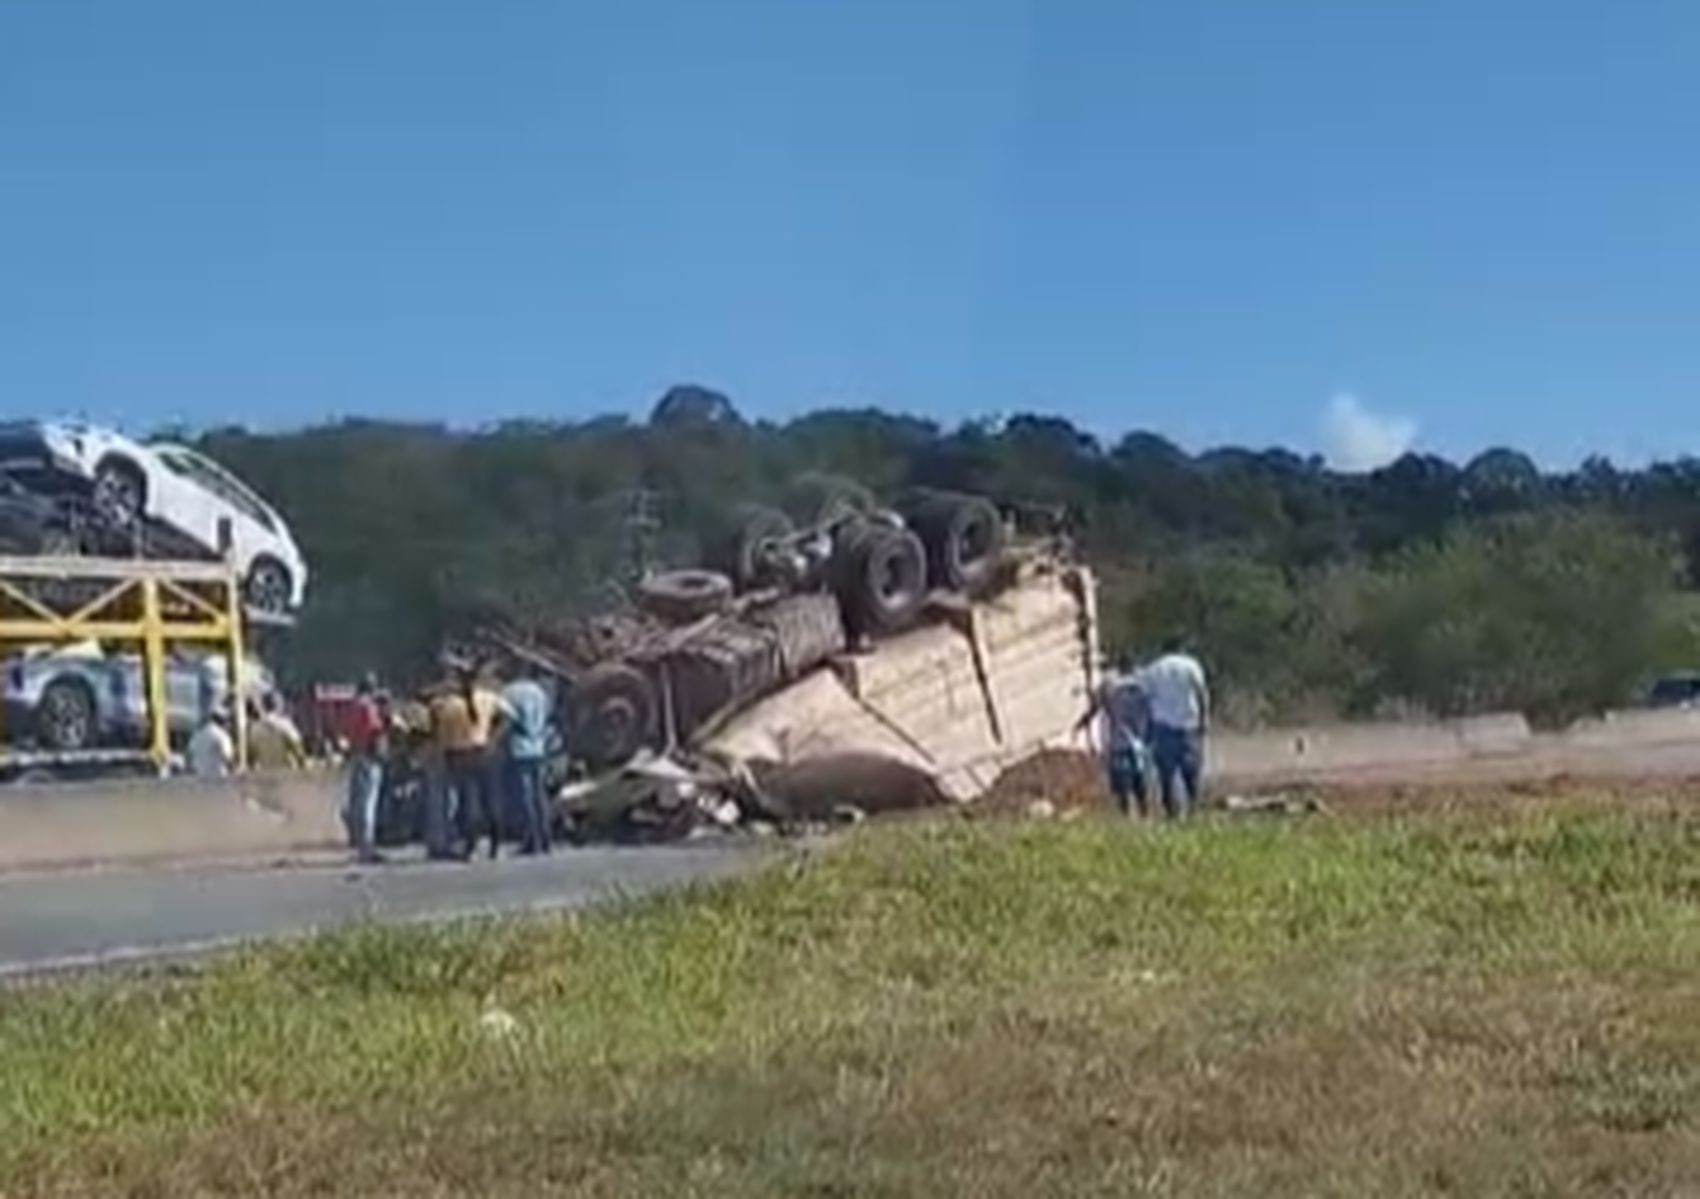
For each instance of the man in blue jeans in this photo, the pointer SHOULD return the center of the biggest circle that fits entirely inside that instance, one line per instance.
(1126, 727)
(527, 705)
(368, 744)
(1175, 687)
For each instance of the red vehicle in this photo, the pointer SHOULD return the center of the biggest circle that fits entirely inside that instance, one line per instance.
(323, 715)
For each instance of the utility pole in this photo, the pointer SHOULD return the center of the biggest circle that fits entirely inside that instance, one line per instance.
(642, 525)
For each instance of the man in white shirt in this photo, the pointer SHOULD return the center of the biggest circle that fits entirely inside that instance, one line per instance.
(212, 751)
(1175, 687)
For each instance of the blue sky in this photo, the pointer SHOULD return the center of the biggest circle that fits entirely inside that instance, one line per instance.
(1323, 223)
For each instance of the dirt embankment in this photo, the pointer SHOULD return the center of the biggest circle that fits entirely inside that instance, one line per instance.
(1060, 781)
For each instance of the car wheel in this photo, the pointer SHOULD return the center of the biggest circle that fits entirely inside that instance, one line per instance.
(65, 716)
(269, 588)
(120, 494)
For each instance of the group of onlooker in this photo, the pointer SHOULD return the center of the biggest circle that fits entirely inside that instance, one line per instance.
(274, 741)
(483, 748)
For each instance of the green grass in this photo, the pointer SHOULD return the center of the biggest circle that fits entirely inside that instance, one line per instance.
(1502, 1002)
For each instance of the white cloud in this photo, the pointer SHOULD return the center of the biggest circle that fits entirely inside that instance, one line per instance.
(1358, 439)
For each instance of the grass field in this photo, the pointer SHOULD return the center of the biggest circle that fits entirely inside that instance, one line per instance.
(1495, 1001)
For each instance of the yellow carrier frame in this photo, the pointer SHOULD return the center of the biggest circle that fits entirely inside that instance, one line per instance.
(151, 607)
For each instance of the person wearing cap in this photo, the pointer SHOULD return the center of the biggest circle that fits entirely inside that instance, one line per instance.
(367, 732)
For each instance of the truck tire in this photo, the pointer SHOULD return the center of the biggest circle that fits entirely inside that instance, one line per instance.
(964, 539)
(823, 499)
(881, 578)
(755, 531)
(613, 715)
(65, 717)
(681, 596)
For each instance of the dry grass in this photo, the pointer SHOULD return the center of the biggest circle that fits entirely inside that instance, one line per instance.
(1498, 1002)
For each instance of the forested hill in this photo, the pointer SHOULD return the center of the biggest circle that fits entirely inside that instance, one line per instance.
(1426, 585)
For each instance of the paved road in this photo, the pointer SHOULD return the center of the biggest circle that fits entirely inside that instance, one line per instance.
(92, 918)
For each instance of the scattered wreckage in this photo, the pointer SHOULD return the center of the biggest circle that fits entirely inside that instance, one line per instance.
(870, 659)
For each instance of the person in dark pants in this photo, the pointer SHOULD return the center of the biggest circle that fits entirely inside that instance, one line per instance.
(471, 776)
(1126, 716)
(526, 703)
(464, 721)
(1175, 687)
(441, 818)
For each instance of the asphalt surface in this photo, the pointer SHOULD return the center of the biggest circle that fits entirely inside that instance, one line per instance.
(92, 918)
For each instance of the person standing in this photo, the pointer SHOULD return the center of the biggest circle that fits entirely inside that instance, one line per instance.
(368, 745)
(526, 702)
(274, 743)
(1175, 687)
(464, 718)
(444, 715)
(1126, 714)
(212, 750)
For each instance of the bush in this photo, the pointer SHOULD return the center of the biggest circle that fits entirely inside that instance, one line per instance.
(1277, 648)
(1554, 615)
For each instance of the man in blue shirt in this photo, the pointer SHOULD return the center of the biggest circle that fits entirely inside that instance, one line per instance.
(527, 706)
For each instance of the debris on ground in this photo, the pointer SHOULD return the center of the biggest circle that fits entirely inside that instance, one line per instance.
(498, 1024)
(1282, 803)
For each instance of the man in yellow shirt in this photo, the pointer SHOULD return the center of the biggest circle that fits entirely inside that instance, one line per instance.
(465, 718)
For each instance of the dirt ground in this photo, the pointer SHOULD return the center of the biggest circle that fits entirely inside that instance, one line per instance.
(1061, 781)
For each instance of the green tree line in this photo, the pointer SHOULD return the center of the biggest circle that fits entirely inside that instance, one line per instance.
(1423, 586)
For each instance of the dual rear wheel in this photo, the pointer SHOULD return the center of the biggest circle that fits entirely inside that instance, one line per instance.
(880, 571)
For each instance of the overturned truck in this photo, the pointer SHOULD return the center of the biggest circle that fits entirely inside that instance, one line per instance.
(869, 658)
